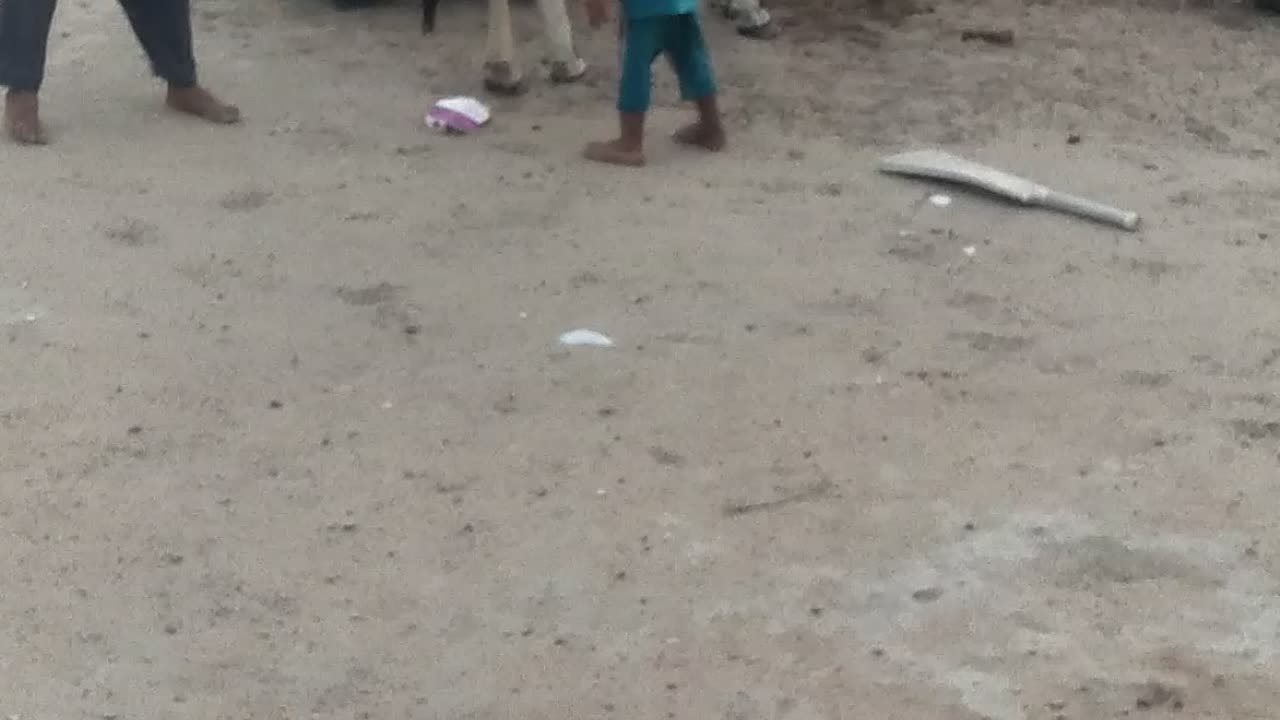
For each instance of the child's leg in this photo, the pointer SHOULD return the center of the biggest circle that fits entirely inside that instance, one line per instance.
(641, 42)
(692, 63)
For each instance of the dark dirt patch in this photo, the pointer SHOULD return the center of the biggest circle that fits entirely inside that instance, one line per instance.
(244, 200)
(1145, 378)
(1249, 429)
(990, 342)
(812, 492)
(132, 232)
(1154, 695)
(927, 595)
(383, 292)
(666, 457)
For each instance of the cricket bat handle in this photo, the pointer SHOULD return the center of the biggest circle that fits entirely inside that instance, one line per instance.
(1086, 208)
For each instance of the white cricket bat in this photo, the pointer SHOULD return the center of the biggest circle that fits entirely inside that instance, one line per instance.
(939, 165)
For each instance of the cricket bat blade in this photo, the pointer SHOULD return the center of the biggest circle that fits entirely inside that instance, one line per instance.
(938, 165)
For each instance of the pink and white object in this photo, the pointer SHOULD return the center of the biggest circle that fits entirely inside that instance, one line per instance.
(458, 115)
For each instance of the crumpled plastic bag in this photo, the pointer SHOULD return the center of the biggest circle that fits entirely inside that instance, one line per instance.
(459, 115)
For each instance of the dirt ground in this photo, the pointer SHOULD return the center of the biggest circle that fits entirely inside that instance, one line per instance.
(287, 432)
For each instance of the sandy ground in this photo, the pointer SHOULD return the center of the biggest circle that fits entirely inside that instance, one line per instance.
(287, 432)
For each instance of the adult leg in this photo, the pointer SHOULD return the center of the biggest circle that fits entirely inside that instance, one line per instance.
(24, 39)
(687, 50)
(566, 66)
(163, 28)
(502, 74)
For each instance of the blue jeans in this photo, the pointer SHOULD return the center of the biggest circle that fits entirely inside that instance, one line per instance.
(679, 37)
(163, 27)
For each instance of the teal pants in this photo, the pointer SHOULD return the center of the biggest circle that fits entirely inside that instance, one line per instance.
(679, 37)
